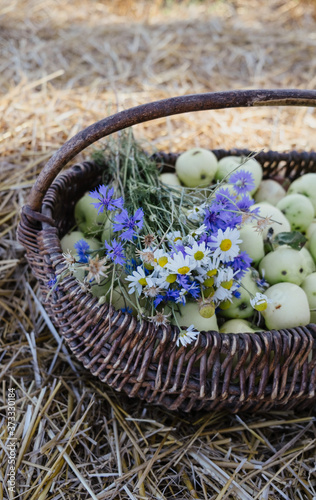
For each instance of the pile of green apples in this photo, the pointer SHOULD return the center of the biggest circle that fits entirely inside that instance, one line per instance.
(289, 271)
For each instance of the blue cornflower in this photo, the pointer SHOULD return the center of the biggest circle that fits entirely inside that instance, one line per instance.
(106, 201)
(51, 283)
(236, 294)
(115, 251)
(240, 263)
(172, 295)
(129, 225)
(214, 220)
(83, 249)
(179, 248)
(127, 310)
(192, 287)
(184, 280)
(194, 290)
(169, 296)
(130, 266)
(205, 238)
(224, 200)
(234, 220)
(243, 181)
(245, 203)
(225, 207)
(158, 299)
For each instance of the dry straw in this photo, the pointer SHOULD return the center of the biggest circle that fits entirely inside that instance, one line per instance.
(62, 69)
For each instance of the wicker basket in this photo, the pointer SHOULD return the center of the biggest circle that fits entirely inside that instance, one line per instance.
(274, 369)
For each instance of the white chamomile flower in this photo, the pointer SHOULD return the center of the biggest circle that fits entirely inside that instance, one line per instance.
(225, 277)
(180, 264)
(187, 336)
(161, 258)
(137, 280)
(165, 279)
(222, 294)
(199, 253)
(226, 244)
(260, 302)
(198, 231)
(196, 213)
(209, 271)
(174, 237)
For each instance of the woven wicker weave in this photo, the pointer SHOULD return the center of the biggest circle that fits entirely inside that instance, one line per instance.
(261, 371)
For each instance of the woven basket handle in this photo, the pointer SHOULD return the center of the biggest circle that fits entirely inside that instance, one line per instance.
(159, 109)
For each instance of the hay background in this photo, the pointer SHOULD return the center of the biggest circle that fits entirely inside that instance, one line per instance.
(64, 65)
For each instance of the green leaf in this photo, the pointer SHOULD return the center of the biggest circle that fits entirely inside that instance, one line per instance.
(294, 239)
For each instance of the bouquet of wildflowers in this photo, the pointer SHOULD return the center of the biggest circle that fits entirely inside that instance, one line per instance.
(159, 251)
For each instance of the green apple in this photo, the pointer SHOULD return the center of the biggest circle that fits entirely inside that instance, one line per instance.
(284, 265)
(298, 210)
(252, 242)
(196, 167)
(309, 231)
(240, 307)
(170, 179)
(280, 224)
(312, 245)
(289, 307)
(309, 287)
(308, 261)
(236, 326)
(100, 290)
(117, 298)
(311, 228)
(229, 164)
(107, 233)
(306, 185)
(270, 191)
(87, 218)
(189, 315)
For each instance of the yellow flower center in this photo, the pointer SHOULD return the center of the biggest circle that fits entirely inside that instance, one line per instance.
(212, 272)
(177, 238)
(261, 306)
(225, 245)
(198, 255)
(162, 261)
(142, 281)
(183, 270)
(227, 284)
(171, 278)
(208, 282)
